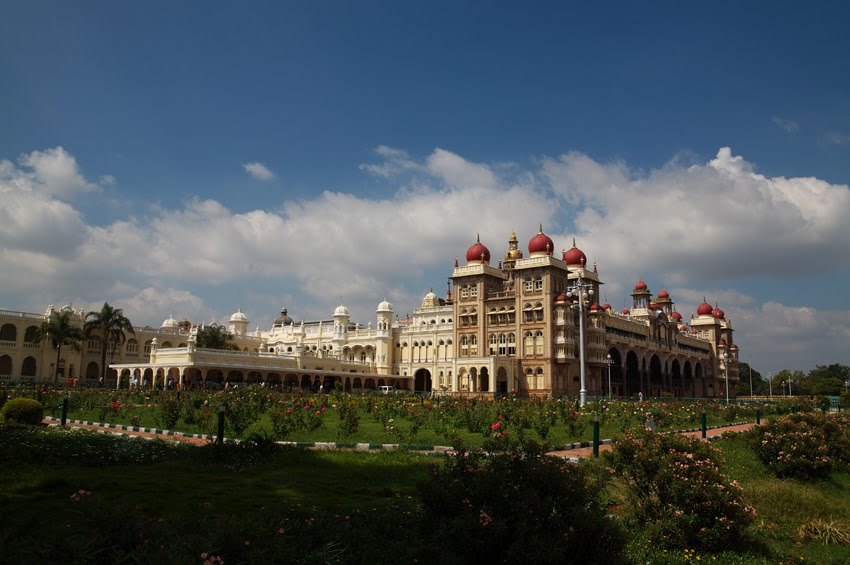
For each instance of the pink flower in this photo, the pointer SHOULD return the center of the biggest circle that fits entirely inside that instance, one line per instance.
(496, 426)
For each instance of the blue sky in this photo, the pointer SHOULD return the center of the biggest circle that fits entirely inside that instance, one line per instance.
(197, 157)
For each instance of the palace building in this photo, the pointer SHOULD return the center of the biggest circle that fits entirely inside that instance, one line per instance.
(516, 326)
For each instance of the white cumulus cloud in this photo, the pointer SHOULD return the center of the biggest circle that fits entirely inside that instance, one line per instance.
(258, 171)
(694, 227)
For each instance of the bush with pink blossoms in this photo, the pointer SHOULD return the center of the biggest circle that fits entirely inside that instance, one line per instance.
(677, 491)
(803, 446)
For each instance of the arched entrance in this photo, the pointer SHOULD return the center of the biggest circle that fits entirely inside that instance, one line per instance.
(688, 377)
(633, 373)
(656, 382)
(422, 381)
(501, 381)
(618, 382)
(484, 380)
(676, 377)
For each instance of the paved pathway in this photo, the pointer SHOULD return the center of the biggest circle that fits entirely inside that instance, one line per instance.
(710, 433)
(574, 453)
(129, 432)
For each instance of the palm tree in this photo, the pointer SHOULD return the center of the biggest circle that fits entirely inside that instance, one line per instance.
(108, 326)
(215, 336)
(59, 329)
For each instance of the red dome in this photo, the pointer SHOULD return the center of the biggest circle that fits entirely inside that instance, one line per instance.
(663, 294)
(683, 328)
(606, 306)
(574, 256)
(654, 306)
(541, 243)
(718, 313)
(676, 316)
(474, 253)
(594, 307)
(721, 343)
(733, 347)
(704, 309)
(640, 285)
(560, 298)
(625, 312)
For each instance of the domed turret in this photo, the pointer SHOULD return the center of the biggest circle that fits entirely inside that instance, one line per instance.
(283, 319)
(719, 314)
(640, 285)
(238, 323)
(625, 312)
(704, 309)
(170, 323)
(574, 256)
(513, 253)
(478, 253)
(676, 316)
(341, 311)
(384, 307)
(430, 300)
(540, 244)
(238, 316)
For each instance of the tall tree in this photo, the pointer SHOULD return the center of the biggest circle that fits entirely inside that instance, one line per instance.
(215, 336)
(60, 330)
(745, 371)
(109, 327)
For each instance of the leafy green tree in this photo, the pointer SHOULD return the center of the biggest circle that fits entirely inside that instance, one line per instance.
(215, 336)
(827, 379)
(110, 327)
(60, 330)
(799, 384)
(743, 388)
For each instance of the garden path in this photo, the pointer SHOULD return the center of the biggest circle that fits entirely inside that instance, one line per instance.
(710, 433)
(578, 452)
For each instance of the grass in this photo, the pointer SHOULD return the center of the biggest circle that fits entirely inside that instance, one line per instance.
(332, 506)
(785, 506)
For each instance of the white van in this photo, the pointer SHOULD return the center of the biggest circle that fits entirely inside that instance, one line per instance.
(386, 389)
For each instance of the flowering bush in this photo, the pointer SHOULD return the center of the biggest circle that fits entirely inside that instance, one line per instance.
(521, 507)
(169, 409)
(349, 421)
(678, 492)
(798, 445)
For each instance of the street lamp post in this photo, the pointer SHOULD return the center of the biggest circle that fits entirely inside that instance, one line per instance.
(581, 291)
(609, 362)
(751, 380)
(726, 367)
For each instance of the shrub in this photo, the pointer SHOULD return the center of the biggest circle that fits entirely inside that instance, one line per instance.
(520, 507)
(169, 409)
(677, 492)
(349, 421)
(795, 446)
(23, 411)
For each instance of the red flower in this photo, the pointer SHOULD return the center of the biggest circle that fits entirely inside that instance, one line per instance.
(496, 426)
